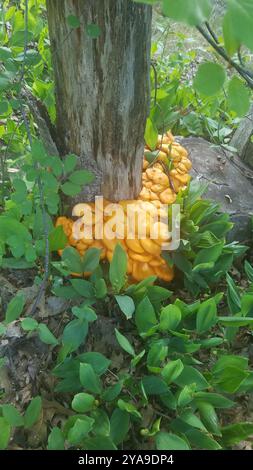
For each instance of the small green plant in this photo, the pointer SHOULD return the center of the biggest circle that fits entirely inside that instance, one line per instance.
(204, 257)
(22, 225)
(11, 419)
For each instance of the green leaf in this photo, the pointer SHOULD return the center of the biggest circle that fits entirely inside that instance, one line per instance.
(4, 106)
(154, 385)
(21, 191)
(186, 395)
(70, 189)
(238, 97)
(93, 30)
(211, 342)
(100, 289)
(5, 433)
(56, 165)
(169, 400)
(249, 270)
(218, 401)
(241, 17)
(4, 82)
(56, 440)
(99, 443)
(236, 433)
(81, 177)
(172, 370)
(210, 78)
(33, 411)
(46, 336)
(229, 379)
(230, 40)
(12, 416)
(38, 151)
(151, 134)
(126, 305)
(190, 376)
(209, 417)
(190, 418)
(57, 239)
(247, 305)
(201, 440)
(5, 53)
(11, 227)
(129, 408)
(233, 296)
(124, 343)
(145, 317)
(206, 316)
(101, 425)
(19, 37)
(170, 318)
(73, 21)
(72, 260)
(74, 334)
(158, 294)
(157, 353)
(79, 431)
(91, 260)
(15, 308)
(70, 163)
(235, 321)
(118, 268)
(112, 392)
(84, 313)
(119, 425)
(230, 360)
(83, 402)
(137, 359)
(98, 361)
(168, 441)
(193, 13)
(11, 263)
(66, 292)
(83, 287)
(89, 379)
(208, 255)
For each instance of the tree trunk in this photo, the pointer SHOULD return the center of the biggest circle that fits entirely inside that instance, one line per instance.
(102, 88)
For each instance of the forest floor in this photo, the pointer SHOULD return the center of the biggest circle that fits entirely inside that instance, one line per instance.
(29, 362)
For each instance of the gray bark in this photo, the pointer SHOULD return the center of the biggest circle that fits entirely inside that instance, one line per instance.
(102, 88)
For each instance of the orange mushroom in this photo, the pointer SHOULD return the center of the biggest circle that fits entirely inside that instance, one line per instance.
(162, 180)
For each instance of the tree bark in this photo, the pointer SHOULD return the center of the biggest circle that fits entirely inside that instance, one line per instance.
(102, 88)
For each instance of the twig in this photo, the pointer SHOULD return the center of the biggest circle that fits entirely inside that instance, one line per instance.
(246, 74)
(239, 55)
(167, 171)
(212, 32)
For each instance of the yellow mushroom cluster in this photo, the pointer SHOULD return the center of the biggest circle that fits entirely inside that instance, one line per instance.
(162, 179)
